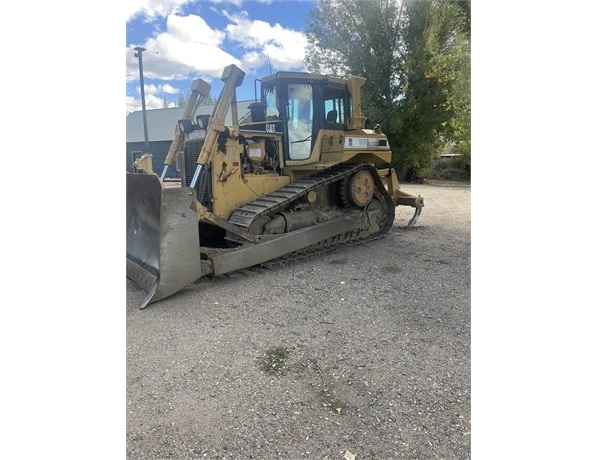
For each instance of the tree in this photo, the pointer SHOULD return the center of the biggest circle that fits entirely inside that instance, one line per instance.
(415, 56)
(182, 102)
(436, 108)
(209, 100)
(359, 37)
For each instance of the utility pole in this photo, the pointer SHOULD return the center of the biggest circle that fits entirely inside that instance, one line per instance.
(139, 50)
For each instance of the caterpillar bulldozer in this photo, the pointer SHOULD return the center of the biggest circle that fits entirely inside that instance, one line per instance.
(301, 174)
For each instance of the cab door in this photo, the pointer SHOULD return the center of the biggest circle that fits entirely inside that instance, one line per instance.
(299, 120)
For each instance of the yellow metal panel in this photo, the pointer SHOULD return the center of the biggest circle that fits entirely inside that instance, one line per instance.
(236, 191)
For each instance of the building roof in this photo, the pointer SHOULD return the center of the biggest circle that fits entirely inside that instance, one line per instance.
(162, 122)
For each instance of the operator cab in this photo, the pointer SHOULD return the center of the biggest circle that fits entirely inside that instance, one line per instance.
(299, 105)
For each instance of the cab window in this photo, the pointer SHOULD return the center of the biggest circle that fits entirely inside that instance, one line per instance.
(299, 122)
(270, 97)
(334, 106)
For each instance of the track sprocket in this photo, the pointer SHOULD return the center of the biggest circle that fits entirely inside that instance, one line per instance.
(358, 189)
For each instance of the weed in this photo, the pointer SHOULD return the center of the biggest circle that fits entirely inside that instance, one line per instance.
(336, 406)
(274, 361)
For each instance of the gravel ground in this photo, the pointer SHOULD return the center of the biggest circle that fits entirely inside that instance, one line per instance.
(360, 353)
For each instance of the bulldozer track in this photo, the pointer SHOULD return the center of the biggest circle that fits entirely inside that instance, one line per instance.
(316, 250)
(307, 253)
(283, 197)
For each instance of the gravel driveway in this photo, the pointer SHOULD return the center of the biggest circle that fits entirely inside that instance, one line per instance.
(360, 353)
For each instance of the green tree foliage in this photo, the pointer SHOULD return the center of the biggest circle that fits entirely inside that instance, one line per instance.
(209, 100)
(359, 37)
(415, 56)
(436, 107)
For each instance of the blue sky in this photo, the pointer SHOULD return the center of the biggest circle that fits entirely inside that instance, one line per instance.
(187, 39)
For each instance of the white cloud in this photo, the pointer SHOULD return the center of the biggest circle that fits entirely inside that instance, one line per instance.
(150, 90)
(152, 9)
(193, 28)
(154, 102)
(132, 104)
(190, 47)
(168, 89)
(253, 60)
(232, 2)
(153, 96)
(187, 49)
(284, 47)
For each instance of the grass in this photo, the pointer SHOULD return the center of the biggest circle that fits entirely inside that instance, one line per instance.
(274, 361)
(335, 405)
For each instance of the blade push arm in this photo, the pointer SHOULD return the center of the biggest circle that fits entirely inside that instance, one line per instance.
(233, 77)
(199, 91)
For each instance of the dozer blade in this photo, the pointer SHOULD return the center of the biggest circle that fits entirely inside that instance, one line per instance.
(163, 244)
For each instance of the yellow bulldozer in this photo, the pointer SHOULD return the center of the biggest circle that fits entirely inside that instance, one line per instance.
(303, 173)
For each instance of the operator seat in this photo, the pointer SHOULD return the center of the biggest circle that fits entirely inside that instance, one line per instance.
(332, 116)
